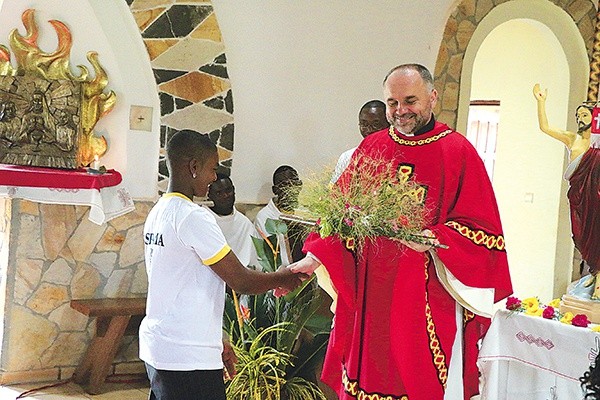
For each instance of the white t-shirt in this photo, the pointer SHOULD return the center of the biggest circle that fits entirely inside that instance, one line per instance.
(238, 231)
(182, 329)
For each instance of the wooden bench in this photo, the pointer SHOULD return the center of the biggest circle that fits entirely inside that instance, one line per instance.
(114, 318)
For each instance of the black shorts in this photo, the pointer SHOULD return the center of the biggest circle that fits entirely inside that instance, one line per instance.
(186, 385)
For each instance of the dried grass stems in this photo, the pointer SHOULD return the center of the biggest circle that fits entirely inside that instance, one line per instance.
(369, 200)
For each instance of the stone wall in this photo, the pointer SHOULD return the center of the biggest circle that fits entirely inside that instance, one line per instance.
(56, 254)
(188, 59)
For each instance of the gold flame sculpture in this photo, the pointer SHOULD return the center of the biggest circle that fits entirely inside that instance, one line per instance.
(31, 60)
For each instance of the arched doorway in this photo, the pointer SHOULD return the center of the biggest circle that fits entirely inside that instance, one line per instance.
(527, 175)
(540, 254)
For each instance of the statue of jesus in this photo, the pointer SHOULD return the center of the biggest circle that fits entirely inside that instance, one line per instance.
(583, 174)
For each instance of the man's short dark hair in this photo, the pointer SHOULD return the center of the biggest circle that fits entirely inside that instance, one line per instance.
(221, 176)
(187, 144)
(281, 169)
(373, 104)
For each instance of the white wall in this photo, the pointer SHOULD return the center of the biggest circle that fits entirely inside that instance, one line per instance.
(107, 27)
(300, 71)
(527, 160)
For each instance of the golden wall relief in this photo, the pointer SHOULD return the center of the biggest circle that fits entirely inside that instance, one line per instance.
(48, 113)
(39, 121)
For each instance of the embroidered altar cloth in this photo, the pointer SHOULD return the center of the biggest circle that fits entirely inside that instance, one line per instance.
(526, 357)
(103, 193)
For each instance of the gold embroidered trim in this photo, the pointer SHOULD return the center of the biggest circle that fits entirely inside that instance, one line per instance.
(478, 237)
(419, 193)
(419, 142)
(467, 316)
(351, 387)
(439, 358)
(405, 171)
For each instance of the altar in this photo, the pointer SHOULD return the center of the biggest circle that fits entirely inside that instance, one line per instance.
(525, 357)
(103, 193)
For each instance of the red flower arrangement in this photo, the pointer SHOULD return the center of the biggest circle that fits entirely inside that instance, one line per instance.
(580, 320)
(548, 312)
(512, 303)
(532, 306)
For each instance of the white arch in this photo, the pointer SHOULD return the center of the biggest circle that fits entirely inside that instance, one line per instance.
(559, 22)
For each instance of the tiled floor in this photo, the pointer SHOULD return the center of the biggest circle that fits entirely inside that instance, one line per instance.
(72, 391)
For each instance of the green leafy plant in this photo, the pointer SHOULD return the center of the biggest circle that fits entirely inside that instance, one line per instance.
(278, 341)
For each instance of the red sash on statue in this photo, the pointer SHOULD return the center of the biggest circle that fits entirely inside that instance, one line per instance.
(584, 201)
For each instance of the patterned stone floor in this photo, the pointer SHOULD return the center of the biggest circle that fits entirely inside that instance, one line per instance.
(72, 391)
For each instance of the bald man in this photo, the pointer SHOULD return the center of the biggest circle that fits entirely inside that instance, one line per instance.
(409, 315)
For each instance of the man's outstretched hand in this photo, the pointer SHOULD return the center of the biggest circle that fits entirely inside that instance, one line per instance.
(307, 265)
(538, 93)
(291, 280)
(303, 269)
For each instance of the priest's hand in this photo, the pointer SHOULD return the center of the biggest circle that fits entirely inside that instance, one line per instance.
(307, 265)
(429, 241)
(293, 279)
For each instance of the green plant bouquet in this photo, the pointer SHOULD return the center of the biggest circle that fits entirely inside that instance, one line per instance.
(371, 199)
(278, 341)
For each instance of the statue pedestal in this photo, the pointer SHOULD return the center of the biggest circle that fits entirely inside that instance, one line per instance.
(577, 305)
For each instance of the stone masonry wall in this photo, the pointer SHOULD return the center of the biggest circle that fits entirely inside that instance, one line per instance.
(57, 254)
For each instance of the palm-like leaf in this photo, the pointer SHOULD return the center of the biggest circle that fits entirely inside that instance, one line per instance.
(267, 344)
(298, 312)
(265, 254)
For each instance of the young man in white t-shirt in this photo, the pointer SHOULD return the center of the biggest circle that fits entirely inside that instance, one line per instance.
(188, 262)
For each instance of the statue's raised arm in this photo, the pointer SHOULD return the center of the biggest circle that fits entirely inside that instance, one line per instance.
(568, 138)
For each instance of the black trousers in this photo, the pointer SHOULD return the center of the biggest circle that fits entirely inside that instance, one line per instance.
(186, 385)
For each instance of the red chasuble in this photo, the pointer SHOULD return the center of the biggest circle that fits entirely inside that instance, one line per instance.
(395, 324)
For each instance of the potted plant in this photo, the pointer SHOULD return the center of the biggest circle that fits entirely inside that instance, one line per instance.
(278, 341)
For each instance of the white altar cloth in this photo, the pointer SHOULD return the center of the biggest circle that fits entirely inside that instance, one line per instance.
(531, 358)
(105, 203)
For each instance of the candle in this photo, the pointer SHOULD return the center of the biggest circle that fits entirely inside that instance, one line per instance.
(96, 163)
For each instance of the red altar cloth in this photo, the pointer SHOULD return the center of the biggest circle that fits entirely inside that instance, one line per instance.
(18, 175)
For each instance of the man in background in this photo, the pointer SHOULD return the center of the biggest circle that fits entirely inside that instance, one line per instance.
(371, 118)
(286, 187)
(237, 228)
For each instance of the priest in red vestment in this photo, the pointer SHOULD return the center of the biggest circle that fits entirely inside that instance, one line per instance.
(409, 315)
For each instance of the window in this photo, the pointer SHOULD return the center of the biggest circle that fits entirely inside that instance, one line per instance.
(482, 130)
